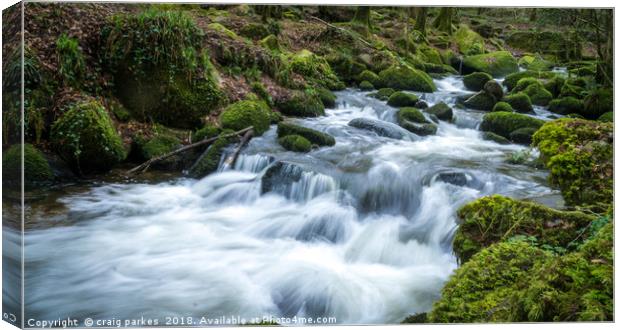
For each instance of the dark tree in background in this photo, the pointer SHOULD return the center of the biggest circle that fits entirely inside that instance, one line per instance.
(362, 19)
(420, 19)
(443, 22)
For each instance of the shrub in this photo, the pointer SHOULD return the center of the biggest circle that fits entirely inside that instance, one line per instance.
(71, 64)
(86, 139)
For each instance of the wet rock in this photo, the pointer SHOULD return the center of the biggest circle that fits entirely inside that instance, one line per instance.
(490, 136)
(382, 128)
(480, 101)
(494, 89)
(421, 104)
(419, 129)
(280, 176)
(441, 110)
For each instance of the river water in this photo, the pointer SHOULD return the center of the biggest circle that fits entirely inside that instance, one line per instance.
(360, 231)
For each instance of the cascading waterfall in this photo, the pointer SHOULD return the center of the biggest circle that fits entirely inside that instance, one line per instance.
(360, 231)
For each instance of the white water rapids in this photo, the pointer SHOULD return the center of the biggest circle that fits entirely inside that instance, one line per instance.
(360, 231)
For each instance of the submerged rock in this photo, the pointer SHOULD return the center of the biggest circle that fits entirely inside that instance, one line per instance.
(382, 128)
(280, 176)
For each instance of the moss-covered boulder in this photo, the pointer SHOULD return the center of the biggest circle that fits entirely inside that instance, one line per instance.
(371, 77)
(490, 136)
(535, 63)
(36, 169)
(206, 132)
(468, 41)
(159, 145)
(502, 106)
(475, 81)
(86, 139)
(480, 101)
(504, 123)
(383, 94)
(402, 99)
(406, 78)
(327, 97)
(295, 143)
(523, 135)
(524, 83)
(479, 291)
(496, 218)
(161, 70)
(419, 129)
(520, 102)
(512, 79)
(554, 85)
(497, 64)
(441, 110)
(559, 44)
(538, 94)
(494, 89)
(566, 105)
(314, 136)
(607, 117)
(410, 114)
(301, 104)
(208, 162)
(366, 86)
(598, 102)
(254, 31)
(242, 114)
(314, 69)
(270, 42)
(572, 90)
(579, 155)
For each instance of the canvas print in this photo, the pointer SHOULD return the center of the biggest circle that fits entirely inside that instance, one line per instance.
(201, 164)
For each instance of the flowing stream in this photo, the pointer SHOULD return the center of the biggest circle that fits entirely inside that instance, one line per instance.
(360, 231)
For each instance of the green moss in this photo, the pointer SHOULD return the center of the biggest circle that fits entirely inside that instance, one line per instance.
(301, 104)
(523, 135)
(346, 67)
(406, 78)
(579, 155)
(209, 161)
(206, 132)
(495, 138)
(502, 106)
(261, 91)
(441, 110)
(36, 169)
(254, 31)
(504, 123)
(572, 90)
(480, 101)
(535, 63)
(242, 114)
(479, 290)
(161, 71)
(468, 41)
(71, 64)
(554, 85)
(223, 30)
(402, 99)
(524, 83)
(369, 76)
(295, 143)
(86, 139)
(314, 136)
(314, 69)
(598, 102)
(366, 85)
(383, 94)
(159, 145)
(419, 129)
(607, 117)
(559, 44)
(270, 42)
(493, 219)
(566, 105)
(520, 102)
(512, 79)
(497, 64)
(410, 114)
(538, 94)
(475, 81)
(327, 97)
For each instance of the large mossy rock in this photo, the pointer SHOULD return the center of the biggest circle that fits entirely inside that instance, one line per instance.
(480, 101)
(295, 143)
(371, 77)
(475, 81)
(406, 78)
(468, 41)
(502, 106)
(383, 94)
(86, 139)
(36, 169)
(512, 79)
(410, 114)
(520, 102)
(161, 71)
(504, 123)
(314, 136)
(566, 105)
(301, 104)
(208, 162)
(538, 94)
(402, 99)
(535, 63)
(598, 102)
(242, 114)
(492, 219)
(481, 289)
(315, 69)
(441, 110)
(497, 64)
(559, 44)
(579, 155)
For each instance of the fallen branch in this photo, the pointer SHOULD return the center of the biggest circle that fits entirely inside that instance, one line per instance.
(232, 159)
(145, 166)
(343, 30)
